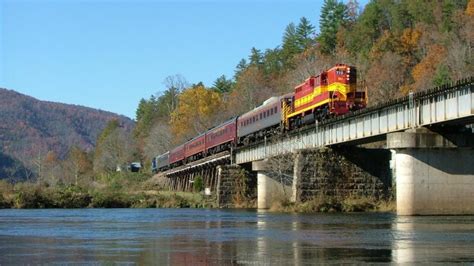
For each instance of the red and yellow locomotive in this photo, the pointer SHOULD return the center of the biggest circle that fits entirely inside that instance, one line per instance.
(331, 93)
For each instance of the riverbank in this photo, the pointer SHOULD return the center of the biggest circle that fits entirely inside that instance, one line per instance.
(121, 190)
(336, 204)
(38, 197)
(136, 191)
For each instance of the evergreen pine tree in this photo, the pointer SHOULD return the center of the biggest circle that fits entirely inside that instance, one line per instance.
(241, 66)
(222, 84)
(290, 43)
(333, 15)
(304, 34)
(255, 56)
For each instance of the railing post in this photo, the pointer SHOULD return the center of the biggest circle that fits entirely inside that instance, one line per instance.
(265, 147)
(411, 107)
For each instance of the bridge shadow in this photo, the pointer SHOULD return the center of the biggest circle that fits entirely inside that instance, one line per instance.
(375, 162)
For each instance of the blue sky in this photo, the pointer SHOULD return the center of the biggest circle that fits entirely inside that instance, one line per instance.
(108, 54)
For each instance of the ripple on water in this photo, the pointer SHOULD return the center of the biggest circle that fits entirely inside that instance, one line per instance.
(197, 236)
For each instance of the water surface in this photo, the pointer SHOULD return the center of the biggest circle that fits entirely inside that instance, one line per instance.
(197, 236)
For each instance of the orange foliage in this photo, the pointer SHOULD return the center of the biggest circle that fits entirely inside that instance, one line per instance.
(423, 72)
(405, 89)
(250, 91)
(470, 8)
(409, 40)
(383, 44)
(196, 112)
(51, 157)
(384, 77)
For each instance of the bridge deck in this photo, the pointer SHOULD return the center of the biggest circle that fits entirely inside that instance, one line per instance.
(453, 104)
(216, 158)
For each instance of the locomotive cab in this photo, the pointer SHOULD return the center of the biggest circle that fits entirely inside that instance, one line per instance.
(331, 93)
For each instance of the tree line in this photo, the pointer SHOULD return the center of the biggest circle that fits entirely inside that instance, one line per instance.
(398, 46)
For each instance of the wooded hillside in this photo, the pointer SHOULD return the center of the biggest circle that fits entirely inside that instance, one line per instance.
(32, 131)
(397, 47)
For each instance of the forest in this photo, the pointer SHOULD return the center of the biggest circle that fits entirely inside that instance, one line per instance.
(397, 46)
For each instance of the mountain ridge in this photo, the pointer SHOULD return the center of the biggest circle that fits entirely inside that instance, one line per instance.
(31, 127)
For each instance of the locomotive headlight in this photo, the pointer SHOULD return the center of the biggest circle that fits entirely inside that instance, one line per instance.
(348, 70)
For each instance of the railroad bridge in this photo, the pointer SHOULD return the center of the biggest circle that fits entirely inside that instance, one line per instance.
(423, 144)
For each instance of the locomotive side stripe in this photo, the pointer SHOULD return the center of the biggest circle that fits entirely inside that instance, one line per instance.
(335, 86)
(318, 100)
(310, 107)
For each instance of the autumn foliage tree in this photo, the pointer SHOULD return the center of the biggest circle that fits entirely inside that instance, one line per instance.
(114, 148)
(198, 109)
(426, 69)
(77, 165)
(396, 46)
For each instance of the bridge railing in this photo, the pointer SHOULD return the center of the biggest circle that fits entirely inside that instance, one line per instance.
(439, 105)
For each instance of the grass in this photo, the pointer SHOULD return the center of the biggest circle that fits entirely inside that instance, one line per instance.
(326, 203)
(135, 191)
(110, 191)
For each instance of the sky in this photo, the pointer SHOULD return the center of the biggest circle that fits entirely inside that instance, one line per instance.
(108, 54)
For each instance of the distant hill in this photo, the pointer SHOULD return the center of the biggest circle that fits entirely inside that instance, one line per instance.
(29, 127)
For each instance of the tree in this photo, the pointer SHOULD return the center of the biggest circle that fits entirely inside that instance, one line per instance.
(37, 160)
(290, 44)
(352, 11)
(158, 107)
(363, 34)
(197, 110)
(51, 165)
(114, 148)
(441, 76)
(159, 140)
(77, 164)
(385, 77)
(222, 85)
(307, 66)
(174, 86)
(255, 57)
(424, 72)
(304, 34)
(146, 112)
(273, 63)
(421, 10)
(250, 90)
(470, 8)
(333, 15)
(447, 9)
(241, 66)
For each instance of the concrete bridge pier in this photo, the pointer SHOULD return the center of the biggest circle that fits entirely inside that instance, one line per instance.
(269, 190)
(434, 172)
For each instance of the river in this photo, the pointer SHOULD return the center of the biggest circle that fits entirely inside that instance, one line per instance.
(201, 237)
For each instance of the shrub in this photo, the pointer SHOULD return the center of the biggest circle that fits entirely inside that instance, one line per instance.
(4, 203)
(33, 196)
(110, 200)
(198, 184)
(71, 197)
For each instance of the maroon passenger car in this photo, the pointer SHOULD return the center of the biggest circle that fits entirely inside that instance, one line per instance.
(177, 156)
(221, 137)
(195, 148)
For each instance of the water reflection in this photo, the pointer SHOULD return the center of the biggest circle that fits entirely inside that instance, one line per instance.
(433, 239)
(204, 237)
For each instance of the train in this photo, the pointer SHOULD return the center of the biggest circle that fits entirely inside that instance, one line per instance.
(331, 93)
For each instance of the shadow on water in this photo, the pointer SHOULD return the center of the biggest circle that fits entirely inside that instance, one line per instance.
(200, 237)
